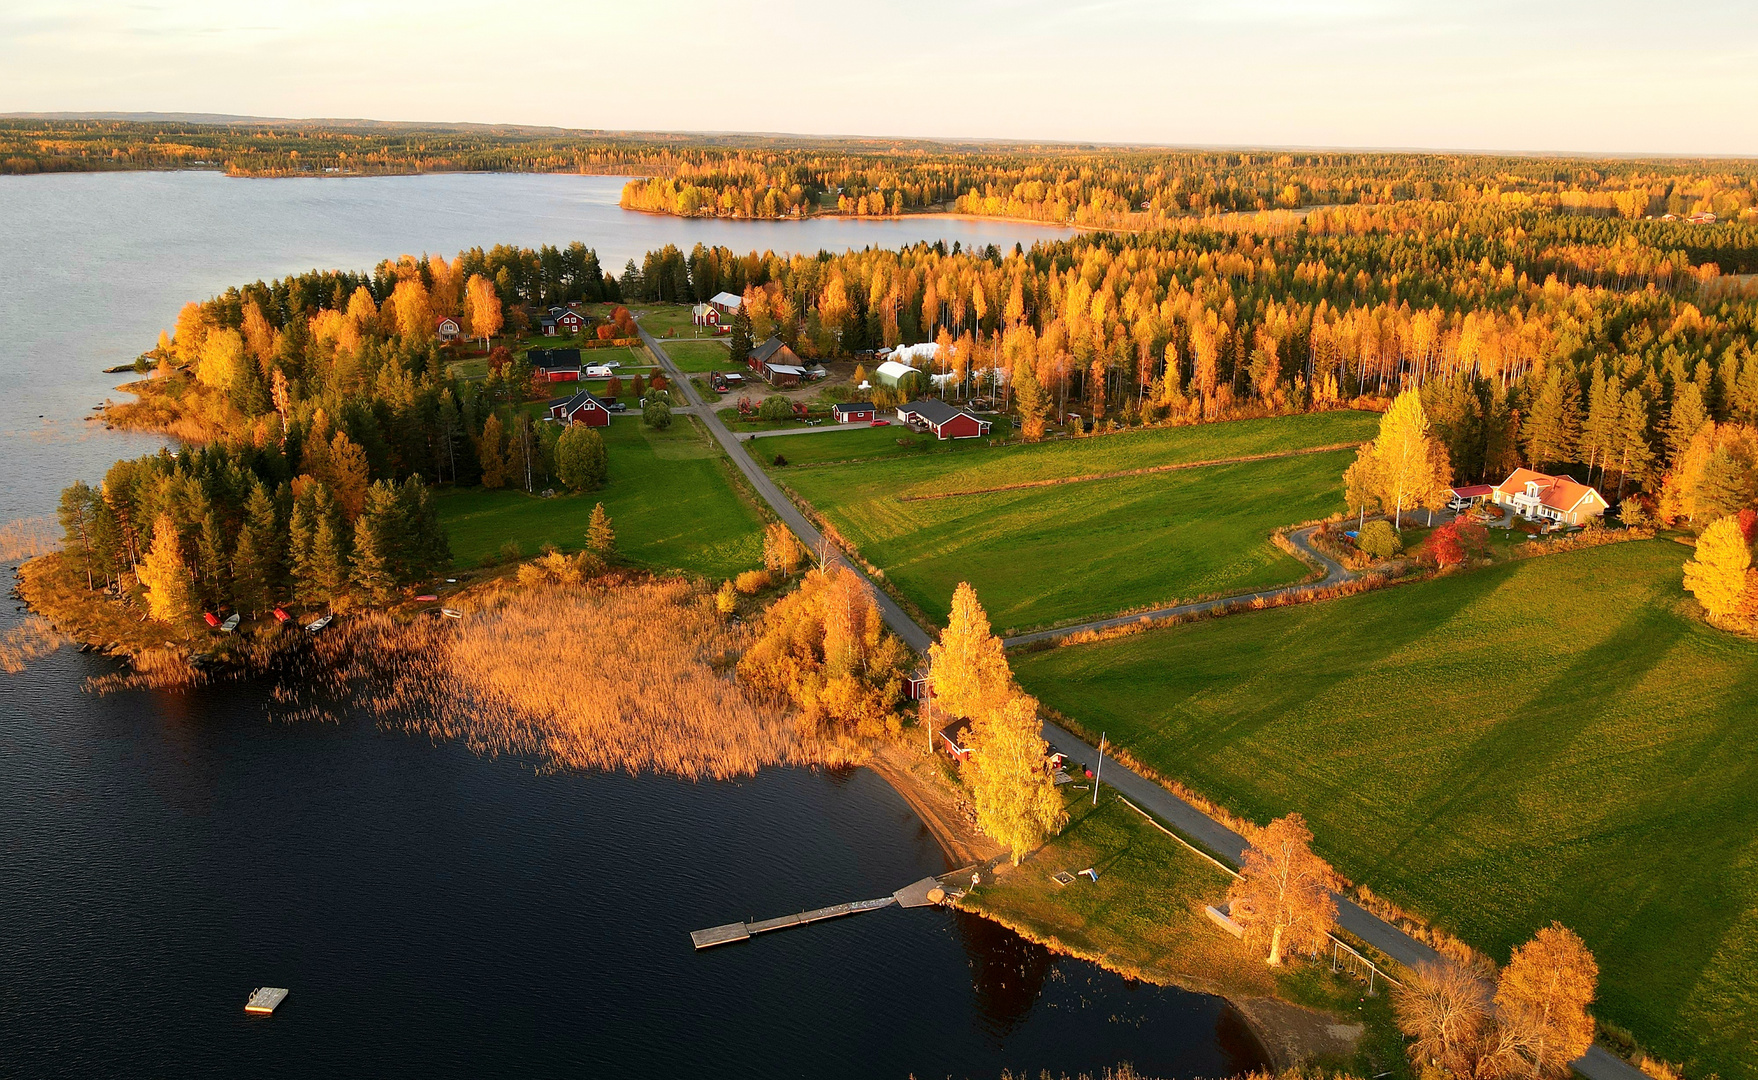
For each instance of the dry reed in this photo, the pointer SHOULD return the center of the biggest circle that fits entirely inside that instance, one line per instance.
(28, 538)
(634, 677)
(31, 639)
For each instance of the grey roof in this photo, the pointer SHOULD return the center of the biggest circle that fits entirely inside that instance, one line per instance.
(769, 348)
(937, 412)
(854, 406)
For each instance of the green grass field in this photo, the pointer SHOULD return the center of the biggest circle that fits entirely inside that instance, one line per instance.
(1553, 738)
(1048, 555)
(699, 355)
(671, 497)
(860, 442)
(1144, 915)
(658, 319)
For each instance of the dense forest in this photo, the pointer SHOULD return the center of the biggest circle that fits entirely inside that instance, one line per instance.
(323, 405)
(773, 176)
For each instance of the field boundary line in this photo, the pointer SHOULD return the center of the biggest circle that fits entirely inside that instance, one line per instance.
(1151, 820)
(1146, 470)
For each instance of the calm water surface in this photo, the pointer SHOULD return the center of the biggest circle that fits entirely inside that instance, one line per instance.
(436, 913)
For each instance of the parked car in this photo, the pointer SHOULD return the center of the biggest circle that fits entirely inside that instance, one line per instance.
(617, 406)
(881, 423)
(602, 371)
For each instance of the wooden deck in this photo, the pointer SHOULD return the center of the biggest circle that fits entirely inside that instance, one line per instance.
(741, 931)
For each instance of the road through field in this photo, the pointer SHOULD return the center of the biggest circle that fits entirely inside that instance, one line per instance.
(1596, 1064)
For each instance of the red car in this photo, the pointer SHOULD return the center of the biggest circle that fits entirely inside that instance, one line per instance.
(881, 423)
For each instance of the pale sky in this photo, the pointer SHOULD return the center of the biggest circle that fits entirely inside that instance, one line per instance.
(1571, 75)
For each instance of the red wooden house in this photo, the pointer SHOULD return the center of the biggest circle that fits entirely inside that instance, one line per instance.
(582, 408)
(945, 421)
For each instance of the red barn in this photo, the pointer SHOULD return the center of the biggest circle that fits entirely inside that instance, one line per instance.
(854, 412)
(555, 365)
(582, 408)
(945, 421)
(705, 315)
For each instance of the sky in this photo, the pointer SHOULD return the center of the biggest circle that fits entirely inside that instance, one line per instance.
(1612, 76)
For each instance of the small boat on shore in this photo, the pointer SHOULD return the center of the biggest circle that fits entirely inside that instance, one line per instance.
(231, 624)
(264, 999)
(318, 624)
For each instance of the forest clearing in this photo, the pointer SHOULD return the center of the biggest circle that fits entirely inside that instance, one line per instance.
(1552, 738)
(673, 497)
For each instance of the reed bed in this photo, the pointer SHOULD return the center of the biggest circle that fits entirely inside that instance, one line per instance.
(27, 538)
(31, 639)
(635, 677)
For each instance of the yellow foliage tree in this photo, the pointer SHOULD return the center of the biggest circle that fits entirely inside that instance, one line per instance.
(221, 354)
(1716, 575)
(485, 308)
(1016, 800)
(970, 676)
(413, 309)
(347, 474)
(781, 551)
(1542, 1000)
(1283, 892)
(1411, 469)
(170, 594)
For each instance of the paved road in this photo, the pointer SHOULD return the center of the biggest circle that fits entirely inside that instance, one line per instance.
(901, 624)
(1335, 573)
(1597, 1064)
(825, 428)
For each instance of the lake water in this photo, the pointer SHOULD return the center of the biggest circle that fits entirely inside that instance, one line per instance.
(436, 913)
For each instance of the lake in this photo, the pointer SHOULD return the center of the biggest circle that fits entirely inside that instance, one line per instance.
(433, 912)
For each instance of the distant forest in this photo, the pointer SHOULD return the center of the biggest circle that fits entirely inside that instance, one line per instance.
(773, 176)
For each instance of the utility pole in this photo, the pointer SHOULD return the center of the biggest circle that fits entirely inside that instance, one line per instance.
(1098, 771)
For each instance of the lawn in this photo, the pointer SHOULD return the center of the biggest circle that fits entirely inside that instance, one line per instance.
(1144, 916)
(1049, 555)
(1553, 738)
(659, 319)
(698, 355)
(671, 497)
(861, 442)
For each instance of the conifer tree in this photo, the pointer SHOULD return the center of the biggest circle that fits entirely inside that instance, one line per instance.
(1683, 421)
(1599, 435)
(1553, 427)
(741, 344)
(601, 537)
(1635, 454)
(381, 535)
(250, 579)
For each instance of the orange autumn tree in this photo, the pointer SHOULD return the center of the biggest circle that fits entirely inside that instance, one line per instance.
(1543, 997)
(823, 648)
(1284, 891)
(485, 308)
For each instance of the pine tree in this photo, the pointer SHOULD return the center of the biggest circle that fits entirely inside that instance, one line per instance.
(601, 537)
(1600, 434)
(213, 559)
(328, 571)
(740, 345)
(1553, 427)
(427, 551)
(1016, 800)
(77, 512)
(1684, 420)
(164, 575)
(250, 579)
(301, 529)
(379, 545)
(1634, 453)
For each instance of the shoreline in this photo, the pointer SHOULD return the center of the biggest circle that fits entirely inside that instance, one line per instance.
(1286, 1033)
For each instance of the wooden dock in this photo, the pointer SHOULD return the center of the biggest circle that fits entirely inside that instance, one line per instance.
(920, 894)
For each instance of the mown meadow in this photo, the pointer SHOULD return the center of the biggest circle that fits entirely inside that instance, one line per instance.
(1067, 551)
(1555, 738)
(671, 496)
